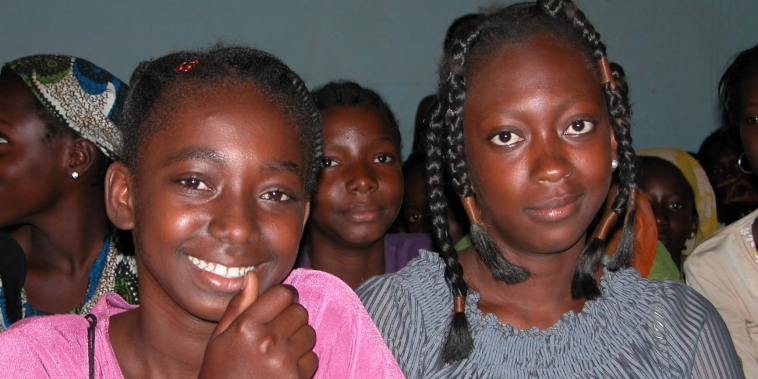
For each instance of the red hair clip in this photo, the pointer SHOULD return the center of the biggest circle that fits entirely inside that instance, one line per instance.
(186, 66)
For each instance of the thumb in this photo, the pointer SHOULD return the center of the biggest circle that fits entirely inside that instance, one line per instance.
(239, 303)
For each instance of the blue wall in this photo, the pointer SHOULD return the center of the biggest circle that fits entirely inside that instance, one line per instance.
(673, 53)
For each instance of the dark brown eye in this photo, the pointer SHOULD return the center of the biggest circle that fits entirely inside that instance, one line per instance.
(384, 158)
(579, 127)
(506, 139)
(276, 195)
(194, 183)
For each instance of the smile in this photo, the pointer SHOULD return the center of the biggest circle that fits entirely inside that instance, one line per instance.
(221, 270)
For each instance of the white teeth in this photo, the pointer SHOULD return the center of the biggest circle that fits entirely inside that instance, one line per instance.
(221, 270)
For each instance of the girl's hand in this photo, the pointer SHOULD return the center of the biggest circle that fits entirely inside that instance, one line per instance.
(269, 340)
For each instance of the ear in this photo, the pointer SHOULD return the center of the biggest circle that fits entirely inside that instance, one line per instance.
(81, 156)
(614, 146)
(119, 196)
(307, 213)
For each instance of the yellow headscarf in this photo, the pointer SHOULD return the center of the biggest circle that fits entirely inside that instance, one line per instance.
(705, 199)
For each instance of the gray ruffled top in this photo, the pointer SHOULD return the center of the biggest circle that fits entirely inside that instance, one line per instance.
(638, 328)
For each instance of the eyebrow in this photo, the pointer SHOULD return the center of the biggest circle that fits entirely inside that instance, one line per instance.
(373, 142)
(289, 166)
(195, 153)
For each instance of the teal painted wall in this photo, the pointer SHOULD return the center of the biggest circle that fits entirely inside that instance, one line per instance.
(673, 51)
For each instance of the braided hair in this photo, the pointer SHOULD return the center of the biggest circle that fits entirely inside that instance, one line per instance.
(744, 65)
(445, 147)
(160, 86)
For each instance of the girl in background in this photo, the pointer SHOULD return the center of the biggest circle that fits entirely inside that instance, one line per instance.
(59, 132)
(682, 199)
(724, 267)
(360, 189)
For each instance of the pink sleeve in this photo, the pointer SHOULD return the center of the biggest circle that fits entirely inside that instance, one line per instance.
(348, 344)
(36, 348)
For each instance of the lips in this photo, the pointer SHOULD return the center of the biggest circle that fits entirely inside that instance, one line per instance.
(556, 209)
(229, 272)
(218, 278)
(361, 213)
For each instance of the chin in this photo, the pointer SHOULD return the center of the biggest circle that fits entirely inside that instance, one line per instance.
(210, 310)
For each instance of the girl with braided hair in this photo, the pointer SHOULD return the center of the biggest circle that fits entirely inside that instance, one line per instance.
(219, 163)
(531, 124)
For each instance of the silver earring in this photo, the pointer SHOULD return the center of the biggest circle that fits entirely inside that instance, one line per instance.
(692, 235)
(75, 175)
(741, 162)
(614, 164)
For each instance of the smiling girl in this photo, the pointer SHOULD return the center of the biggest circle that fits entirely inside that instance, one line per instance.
(531, 125)
(220, 160)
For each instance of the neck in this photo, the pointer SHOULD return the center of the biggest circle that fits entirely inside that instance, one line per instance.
(69, 235)
(540, 300)
(351, 263)
(159, 339)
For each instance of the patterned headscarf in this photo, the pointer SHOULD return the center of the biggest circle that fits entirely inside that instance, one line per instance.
(87, 98)
(705, 199)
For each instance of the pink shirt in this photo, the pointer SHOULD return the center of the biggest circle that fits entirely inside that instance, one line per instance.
(347, 342)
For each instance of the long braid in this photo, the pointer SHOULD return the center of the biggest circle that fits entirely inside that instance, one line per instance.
(459, 343)
(454, 149)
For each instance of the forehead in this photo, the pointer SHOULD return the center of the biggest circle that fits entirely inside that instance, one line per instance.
(541, 64)
(749, 90)
(356, 124)
(666, 175)
(239, 123)
(16, 96)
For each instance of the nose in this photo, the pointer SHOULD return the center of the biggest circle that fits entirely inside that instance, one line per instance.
(551, 164)
(362, 179)
(661, 219)
(234, 222)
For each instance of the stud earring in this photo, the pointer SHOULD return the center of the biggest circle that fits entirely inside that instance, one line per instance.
(744, 165)
(614, 164)
(692, 235)
(75, 175)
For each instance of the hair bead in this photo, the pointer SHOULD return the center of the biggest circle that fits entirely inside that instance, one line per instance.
(186, 66)
(459, 304)
(606, 75)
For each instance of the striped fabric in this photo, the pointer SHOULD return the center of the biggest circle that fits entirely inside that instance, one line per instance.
(637, 329)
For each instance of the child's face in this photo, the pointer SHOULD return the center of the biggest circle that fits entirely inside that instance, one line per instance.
(670, 198)
(730, 184)
(749, 119)
(31, 166)
(218, 192)
(539, 145)
(360, 187)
